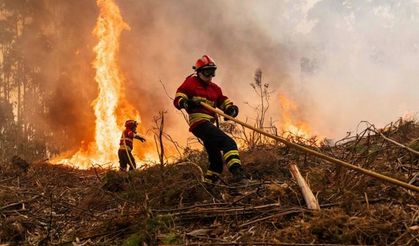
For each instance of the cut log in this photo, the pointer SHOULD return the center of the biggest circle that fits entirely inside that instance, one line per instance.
(311, 201)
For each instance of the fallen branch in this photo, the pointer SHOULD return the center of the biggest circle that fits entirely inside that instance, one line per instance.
(18, 203)
(94, 236)
(311, 201)
(286, 212)
(224, 210)
(391, 140)
(5, 180)
(188, 208)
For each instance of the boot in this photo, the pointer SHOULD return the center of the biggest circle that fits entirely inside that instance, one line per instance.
(239, 177)
(210, 180)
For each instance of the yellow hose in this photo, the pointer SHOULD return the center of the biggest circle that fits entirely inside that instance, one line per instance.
(126, 149)
(318, 154)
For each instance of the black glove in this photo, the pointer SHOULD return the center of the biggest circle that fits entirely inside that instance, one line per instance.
(232, 111)
(140, 138)
(190, 104)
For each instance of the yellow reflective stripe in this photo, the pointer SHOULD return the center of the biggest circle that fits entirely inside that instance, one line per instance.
(230, 153)
(212, 173)
(180, 94)
(180, 100)
(207, 180)
(203, 99)
(123, 147)
(193, 121)
(199, 115)
(195, 117)
(226, 103)
(233, 161)
(126, 139)
(127, 149)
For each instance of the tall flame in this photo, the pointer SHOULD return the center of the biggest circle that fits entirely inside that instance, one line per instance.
(110, 107)
(108, 30)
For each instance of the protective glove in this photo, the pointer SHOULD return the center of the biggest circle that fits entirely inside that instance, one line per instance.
(232, 111)
(190, 104)
(140, 138)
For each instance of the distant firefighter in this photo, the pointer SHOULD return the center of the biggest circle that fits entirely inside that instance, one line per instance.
(126, 145)
(197, 88)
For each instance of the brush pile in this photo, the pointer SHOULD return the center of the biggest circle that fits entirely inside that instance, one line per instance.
(44, 204)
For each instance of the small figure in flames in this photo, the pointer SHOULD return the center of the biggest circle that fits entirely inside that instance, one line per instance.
(197, 88)
(126, 145)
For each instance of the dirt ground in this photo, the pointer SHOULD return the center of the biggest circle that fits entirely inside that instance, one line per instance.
(45, 204)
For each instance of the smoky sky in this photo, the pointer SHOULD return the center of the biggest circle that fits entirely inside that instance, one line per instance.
(355, 59)
(340, 61)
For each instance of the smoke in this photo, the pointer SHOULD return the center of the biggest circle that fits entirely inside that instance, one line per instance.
(58, 42)
(340, 61)
(167, 38)
(355, 60)
(363, 56)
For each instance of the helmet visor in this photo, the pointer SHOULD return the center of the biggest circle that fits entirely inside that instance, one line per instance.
(208, 71)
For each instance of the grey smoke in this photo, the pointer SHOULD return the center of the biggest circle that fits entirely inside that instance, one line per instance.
(340, 61)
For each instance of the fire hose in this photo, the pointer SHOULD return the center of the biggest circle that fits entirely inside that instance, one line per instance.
(128, 154)
(316, 153)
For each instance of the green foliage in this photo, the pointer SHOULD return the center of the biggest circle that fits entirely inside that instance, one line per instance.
(170, 238)
(133, 240)
(161, 222)
(152, 230)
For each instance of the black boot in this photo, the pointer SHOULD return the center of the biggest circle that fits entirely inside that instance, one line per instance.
(238, 175)
(210, 180)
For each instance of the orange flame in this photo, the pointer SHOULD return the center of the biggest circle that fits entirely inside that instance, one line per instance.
(110, 107)
(291, 125)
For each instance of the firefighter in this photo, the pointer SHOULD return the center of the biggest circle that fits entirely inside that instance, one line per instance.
(198, 87)
(126, 145)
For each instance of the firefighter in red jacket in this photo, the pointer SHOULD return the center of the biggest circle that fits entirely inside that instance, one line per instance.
(197, 88)
(126, 145)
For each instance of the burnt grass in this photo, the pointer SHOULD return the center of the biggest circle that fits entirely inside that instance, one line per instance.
(46, 204)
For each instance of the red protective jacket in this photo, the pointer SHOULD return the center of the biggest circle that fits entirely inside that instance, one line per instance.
(210, 93)
(127, 139)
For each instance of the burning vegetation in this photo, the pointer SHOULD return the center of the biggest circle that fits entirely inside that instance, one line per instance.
(165, 201)
(110, 107)
(169, 204)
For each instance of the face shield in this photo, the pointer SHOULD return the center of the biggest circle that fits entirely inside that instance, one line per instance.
(208, 72)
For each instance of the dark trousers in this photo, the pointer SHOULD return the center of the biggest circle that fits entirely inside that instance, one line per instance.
(216, 141)
(125, 159)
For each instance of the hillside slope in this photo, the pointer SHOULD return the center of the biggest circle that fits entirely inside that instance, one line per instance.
(44, 204)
